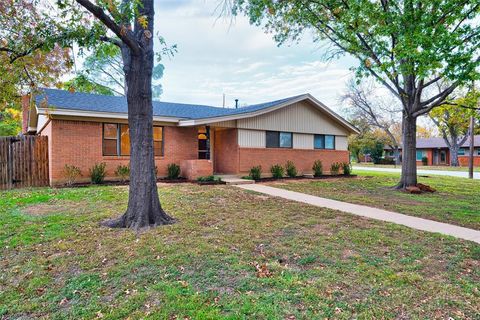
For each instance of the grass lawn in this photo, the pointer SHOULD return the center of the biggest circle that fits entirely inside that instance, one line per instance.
(441, 168)
(58, 263)
(456, 201)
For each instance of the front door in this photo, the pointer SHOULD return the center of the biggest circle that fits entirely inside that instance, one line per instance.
(443, 156)
(435, 157)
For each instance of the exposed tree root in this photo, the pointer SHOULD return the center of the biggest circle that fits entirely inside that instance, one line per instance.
(137, 222)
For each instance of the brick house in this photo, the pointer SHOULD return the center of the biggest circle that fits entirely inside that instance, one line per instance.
(84, 129)
(437, 153)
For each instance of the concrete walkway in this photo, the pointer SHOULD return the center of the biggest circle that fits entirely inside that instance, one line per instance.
(369, 212)
(458, 174)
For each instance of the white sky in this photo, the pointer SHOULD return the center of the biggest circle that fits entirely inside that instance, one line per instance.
(217, 56)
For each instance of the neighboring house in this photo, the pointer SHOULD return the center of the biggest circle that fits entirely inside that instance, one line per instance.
(437, 152)
(84, 129)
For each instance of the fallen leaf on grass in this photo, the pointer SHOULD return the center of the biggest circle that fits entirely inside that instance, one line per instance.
(262, 270)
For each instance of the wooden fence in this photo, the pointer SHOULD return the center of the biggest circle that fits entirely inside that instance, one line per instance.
(23, 162)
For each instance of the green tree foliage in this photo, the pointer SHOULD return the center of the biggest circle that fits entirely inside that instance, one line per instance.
(453, 122)
(129, 25)
(408, 46)
(10, 124)
(83, 84)
(102, 73)
(25, 62)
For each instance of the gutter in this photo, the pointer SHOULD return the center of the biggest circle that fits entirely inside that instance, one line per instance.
(98, 114)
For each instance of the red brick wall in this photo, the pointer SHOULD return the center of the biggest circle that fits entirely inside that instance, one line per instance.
(79, 143)
(226, 151)
(303, 159)
(193, 169)
(463, 160)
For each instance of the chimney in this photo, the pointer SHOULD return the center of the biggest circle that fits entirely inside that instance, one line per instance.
(236, 103)
(25, 112)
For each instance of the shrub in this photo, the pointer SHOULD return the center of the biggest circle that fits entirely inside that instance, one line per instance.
(98, 172)
(387, 160)
(277, 171)
(255, 173)
(335, 168)
(123, 172)
(173, 171)
(291, 169)
(71, 173)
(209, 179)
(317, 168)
(347, 168)
(424, 161)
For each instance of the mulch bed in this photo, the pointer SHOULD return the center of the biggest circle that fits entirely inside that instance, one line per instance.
(126, 183)
(307, 178)
(208, 183)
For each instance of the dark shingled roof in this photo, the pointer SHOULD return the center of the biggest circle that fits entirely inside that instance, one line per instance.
(62, 99)
(438, 142)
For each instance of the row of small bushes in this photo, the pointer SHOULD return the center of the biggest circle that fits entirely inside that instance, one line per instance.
(278, 171)
(98, 172)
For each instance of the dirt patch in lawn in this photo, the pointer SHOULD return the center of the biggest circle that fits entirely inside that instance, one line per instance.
(49, 208)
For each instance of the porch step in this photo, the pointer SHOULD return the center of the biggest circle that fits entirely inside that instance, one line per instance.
(234, 180)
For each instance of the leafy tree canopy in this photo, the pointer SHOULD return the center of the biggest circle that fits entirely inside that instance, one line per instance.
(25, 60)
(407, 45)
(102, 73)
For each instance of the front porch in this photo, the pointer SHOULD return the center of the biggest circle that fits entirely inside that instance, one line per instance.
(217, 149)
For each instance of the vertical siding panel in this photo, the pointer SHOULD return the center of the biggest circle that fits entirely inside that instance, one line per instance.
(251, 138)
(302, 141)
(299, 117)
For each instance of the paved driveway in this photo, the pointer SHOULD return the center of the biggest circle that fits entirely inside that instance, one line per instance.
(458, 174)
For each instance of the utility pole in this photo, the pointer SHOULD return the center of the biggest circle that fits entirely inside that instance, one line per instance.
(472, 139)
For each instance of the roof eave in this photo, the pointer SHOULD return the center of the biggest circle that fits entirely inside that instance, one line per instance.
(98, 114)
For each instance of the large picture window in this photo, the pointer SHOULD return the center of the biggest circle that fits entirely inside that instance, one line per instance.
(116, 140)
(276, 139)
(321, 141)
(421, 154)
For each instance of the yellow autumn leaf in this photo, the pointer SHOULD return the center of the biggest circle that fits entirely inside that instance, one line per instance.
(142, 20)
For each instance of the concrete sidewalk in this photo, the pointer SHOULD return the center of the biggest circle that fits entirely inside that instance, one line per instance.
(458, 174)
(369, 212)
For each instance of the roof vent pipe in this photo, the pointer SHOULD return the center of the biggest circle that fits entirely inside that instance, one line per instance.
(236, 103)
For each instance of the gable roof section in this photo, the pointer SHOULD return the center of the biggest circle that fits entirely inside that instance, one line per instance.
(94, 105)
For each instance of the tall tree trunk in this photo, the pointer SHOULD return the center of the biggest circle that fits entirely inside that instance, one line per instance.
(144, 209)
(409, 158)
(454, 155)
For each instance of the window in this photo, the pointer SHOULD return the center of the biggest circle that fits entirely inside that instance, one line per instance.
(321, 141)
(421, 154)
(116, 140)
(275, 139)
(478, 152)
(124, 140)
(158, 141)
(110, 134)
(286, 139)
(461, 151)
(204, 142)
